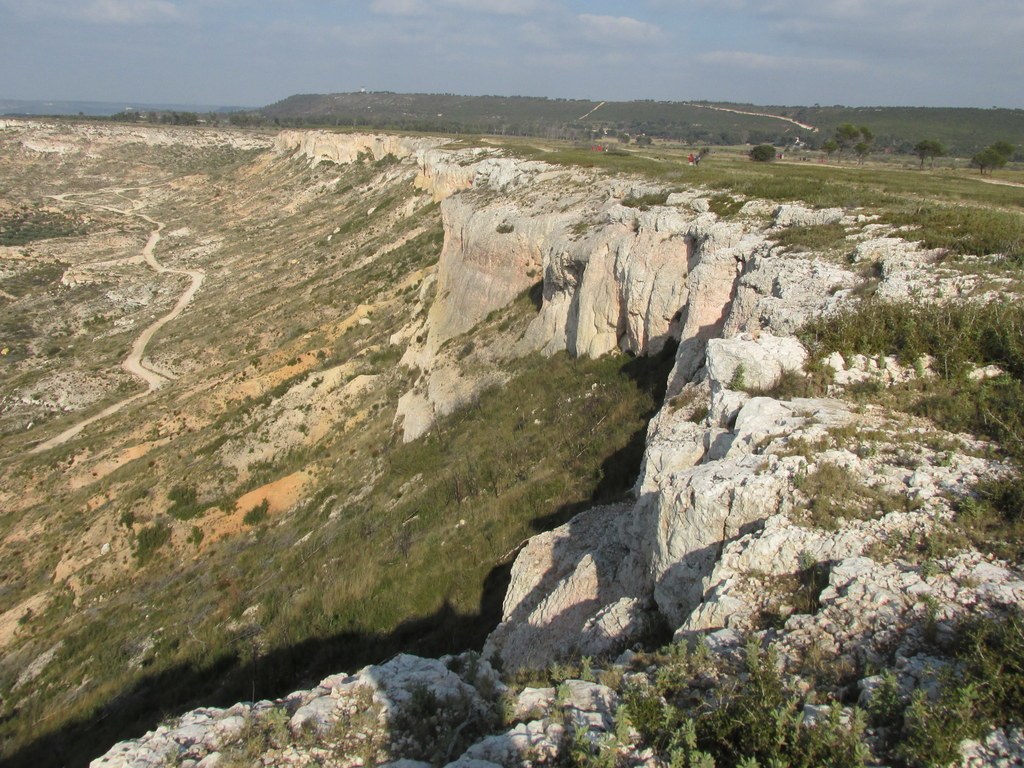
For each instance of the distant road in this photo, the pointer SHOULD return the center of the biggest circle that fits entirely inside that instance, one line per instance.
(134, 362)
(805, 126)
(584, 117)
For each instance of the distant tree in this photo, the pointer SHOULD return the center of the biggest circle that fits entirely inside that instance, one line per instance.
(929, 149)
(762, 153)
(1004, 148)
(624, 138)
(988, 160)
(848, 136)
(830, 147)
(862, 149)
(643, 141)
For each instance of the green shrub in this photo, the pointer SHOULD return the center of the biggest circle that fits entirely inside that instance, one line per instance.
(834, 492)
(982, 689)
(959, 336)
(762, 153)
(724, 206)
(150, 539)
(185, 504)
(932, 730)
(750, 719)
(817, 237)
(257, 514)
(644, 202)
(964, 230)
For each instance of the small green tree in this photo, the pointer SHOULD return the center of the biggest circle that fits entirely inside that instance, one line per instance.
(849, 136)
(1004, 148)
(830, 147)
(929, 149)
(862, 149)
(762, 153)
(988, 160)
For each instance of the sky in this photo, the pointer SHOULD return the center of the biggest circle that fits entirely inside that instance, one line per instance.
(254, 52)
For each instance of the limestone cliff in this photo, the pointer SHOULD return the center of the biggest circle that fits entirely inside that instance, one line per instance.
(320, 146)
(730, 508)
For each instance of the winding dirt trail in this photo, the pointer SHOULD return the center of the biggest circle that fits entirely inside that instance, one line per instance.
(805, 126)
(134, 363)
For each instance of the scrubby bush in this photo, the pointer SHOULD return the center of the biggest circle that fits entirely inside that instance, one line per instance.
(644, 202)
(751, 718)
(150, 539)
(185, 504)
(257, 514)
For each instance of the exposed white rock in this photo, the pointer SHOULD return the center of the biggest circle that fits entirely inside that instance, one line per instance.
(318, 146)
(753, 362)
(385, 698)
(781, 293)
(799, 216)
(561, 584)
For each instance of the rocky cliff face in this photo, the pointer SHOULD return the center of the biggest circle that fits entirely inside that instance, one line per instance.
(719, 467)
(611, 276)
(730, 507)
(320, 146)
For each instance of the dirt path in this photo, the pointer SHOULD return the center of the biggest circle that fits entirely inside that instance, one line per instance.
(584, 117)
(805, 126)
(1001, 183)
(134, 363)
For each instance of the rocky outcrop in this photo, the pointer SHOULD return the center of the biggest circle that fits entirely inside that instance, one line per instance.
(612, 277)
(341, 148)
(730, 488)
(783, 292)
(573, 592)
(406, 712)
(801, 216)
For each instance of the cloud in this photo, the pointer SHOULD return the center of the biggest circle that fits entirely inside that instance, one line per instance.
(129, 11)
(618, 29)
(98, 11)
(933, 23)
(760, 62)
(501, 7)
(399, 7)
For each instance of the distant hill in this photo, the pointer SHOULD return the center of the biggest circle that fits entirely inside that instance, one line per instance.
(963, 131)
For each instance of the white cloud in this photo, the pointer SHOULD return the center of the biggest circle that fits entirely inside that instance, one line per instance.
(98, 11)
(129, 11)
(618, 29)
(761, 62)
(399, 7)
(502, 7)
(916, 21)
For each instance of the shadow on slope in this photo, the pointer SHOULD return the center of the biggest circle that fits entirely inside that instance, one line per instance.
(619, 471)
(232, 678)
